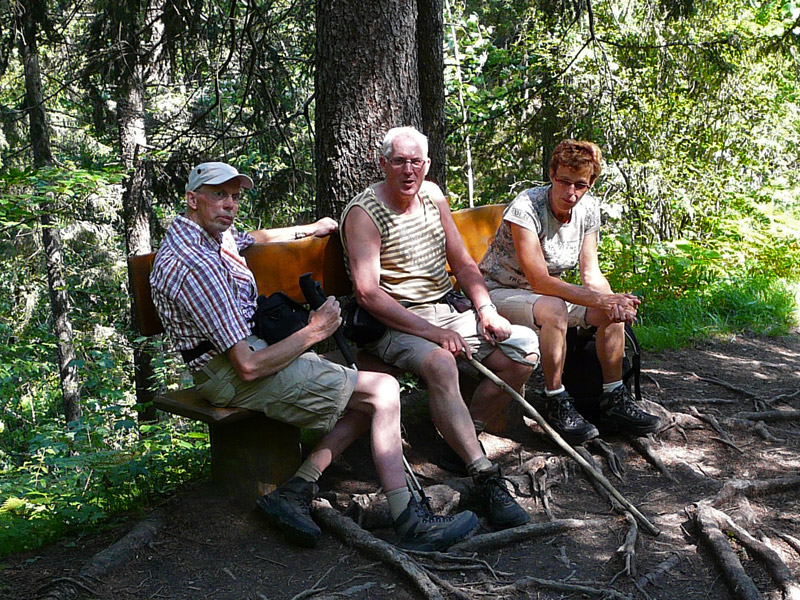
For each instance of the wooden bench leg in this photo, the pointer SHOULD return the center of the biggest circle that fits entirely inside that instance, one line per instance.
(250, 458)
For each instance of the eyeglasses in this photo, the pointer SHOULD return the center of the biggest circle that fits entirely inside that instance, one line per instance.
(580, 186)
(218, 196)
(400, 163)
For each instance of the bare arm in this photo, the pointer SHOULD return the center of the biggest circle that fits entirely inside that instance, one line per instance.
(595, 292)
(493, 326)
(364, 243)
(321, 228)
(250, 365)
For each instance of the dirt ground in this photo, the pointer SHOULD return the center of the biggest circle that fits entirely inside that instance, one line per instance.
(210, 547)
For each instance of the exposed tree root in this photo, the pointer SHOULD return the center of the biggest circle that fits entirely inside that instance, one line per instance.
(498, 539)
(741, 586)
(793, 542)
(102, 563)
(529, 582)
(715, 527)
(751, 487)
(357, 538)
(627, 551)
(725, 384)
(601, 491)
(614, 463)
(770, 416)
(644, 446)
(654, 577)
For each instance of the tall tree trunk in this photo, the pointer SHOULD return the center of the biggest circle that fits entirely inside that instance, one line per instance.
(366, 82)
(430, 41)
(51, 238)
(136, 198)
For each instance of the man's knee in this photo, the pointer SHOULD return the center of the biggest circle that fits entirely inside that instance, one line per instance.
(552, 312)
(380, 390)
(439, 365)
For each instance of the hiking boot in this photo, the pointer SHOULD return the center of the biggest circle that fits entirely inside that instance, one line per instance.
(503, 510)
(423, 531)
(288, 509)
(560, 413)
(621, 411)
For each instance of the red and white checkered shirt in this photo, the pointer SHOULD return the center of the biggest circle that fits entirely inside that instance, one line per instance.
(202, 289)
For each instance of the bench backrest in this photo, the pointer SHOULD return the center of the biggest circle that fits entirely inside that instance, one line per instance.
(278, 266)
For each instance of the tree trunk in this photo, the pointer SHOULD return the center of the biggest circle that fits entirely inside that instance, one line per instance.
(136, 199)
(51, 238)
(430, 40)
(366, 82)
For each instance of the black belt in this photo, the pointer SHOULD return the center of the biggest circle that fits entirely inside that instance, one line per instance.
(197, 351)
(457, 302)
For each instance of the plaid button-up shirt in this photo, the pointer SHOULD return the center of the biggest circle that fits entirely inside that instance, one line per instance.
(202, 289)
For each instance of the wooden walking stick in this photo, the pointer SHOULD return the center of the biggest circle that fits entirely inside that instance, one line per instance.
(591, 471)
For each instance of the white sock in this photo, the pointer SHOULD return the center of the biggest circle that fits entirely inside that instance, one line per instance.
(551, 393)
(398, 501)
(610, 387)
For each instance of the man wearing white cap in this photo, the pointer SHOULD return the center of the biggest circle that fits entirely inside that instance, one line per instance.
(206, 298)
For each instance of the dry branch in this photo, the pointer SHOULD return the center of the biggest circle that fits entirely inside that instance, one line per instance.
(594, 473)
(661, 569)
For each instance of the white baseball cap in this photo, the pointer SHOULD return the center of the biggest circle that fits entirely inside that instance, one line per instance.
(214, 173)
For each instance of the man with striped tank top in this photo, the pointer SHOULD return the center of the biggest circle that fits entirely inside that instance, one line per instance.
(398, 236)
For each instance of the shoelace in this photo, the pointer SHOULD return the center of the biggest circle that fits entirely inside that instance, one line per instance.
(499, 491)
(428, 517)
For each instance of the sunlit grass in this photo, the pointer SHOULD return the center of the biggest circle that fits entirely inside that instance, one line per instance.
(748, 304)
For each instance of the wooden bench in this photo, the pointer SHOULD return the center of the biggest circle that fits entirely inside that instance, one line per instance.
(250, 454)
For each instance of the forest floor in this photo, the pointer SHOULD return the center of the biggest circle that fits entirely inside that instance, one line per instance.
(201, 545)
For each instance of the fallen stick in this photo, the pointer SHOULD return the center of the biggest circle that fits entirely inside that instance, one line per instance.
(661, 569)
(534, 414)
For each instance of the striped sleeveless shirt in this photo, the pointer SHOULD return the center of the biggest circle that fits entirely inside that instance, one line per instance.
(413, 253)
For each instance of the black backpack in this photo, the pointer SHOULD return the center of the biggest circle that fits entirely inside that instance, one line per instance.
(583, 377)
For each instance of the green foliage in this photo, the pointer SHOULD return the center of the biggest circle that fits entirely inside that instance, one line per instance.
(752, 304)
(73, 480)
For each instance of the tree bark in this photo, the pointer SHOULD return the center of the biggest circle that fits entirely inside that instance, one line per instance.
(51, 238)
(430, 41)
(136, 199)
(366, 82)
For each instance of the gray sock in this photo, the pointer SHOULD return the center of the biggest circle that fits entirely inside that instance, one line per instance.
(479, 464)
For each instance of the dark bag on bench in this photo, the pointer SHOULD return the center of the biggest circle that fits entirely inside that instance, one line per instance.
(359, 326)
(583, 377)
(278, 317)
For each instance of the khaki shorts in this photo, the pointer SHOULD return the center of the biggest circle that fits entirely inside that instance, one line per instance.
(517, 306)
(310, 393)
(409, 351)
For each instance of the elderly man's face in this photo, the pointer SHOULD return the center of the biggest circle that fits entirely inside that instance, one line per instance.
(214, 206)
(405, 167)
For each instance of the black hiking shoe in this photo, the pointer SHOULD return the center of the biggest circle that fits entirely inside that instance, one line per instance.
(503, 510)
(423, 531)
(621, 411)
(560, 413)
(288, 509)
